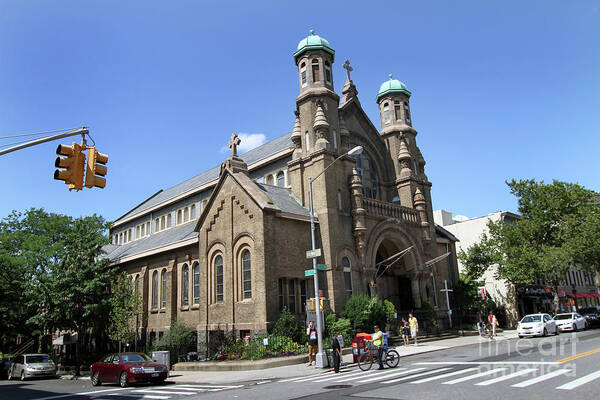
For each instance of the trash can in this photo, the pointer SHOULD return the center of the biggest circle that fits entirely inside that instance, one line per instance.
(161, 357)
(329, 356)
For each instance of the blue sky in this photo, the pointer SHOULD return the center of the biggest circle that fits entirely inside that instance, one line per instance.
(501, 89)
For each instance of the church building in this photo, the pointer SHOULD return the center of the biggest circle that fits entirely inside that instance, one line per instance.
(226, 249)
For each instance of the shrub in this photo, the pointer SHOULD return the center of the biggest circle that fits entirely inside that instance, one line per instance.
(178, 340)
(357, 311)
(288, 325)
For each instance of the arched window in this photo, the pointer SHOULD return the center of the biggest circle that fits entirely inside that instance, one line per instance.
(186, 214)
(346, 267)
(386, 113)
(219, 278)
(334, 139)
(303, 74)
(163, 221)
(137, 232)
(163, 289)
(196, 273)
(148, 228)
(131, 284)
(246, 275)
(136, 284)
(179, 217)
(339, 199)
(368, 174)
(155, 290)
(406, 113)
(307, 140)
(269, 179)
(396, 200)
(397, 112)
(169, 220)
(156, 225)
(280, 179)
(185, 285)
(193, 211)
(315, 71)
(327, 73)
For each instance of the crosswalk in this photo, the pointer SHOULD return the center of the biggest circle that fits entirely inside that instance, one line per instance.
(514, 376)
(164, 392)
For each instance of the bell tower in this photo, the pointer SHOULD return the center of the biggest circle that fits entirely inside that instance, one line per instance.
(414, 189)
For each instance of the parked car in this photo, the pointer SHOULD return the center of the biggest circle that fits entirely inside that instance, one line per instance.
(592, 314)
(570, 322)
(32, 366)
(536, 325)
(4, 368)
(126, 368)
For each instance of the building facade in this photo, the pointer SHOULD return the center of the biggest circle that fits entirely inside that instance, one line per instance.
(579, 288)
(226, 249)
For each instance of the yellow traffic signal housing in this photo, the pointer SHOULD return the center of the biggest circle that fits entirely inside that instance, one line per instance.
(73, 163)
(96, 168)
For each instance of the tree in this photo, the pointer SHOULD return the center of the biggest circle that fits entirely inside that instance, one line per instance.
(178, 340)
(558, 229)
(125, 304)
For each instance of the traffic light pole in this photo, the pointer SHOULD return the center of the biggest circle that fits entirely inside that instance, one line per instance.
(79, 131)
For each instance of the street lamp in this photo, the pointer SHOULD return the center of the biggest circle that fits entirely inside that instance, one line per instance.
(320, 355)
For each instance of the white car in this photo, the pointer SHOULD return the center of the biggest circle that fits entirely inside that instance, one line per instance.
(570, 322)
(536, 325)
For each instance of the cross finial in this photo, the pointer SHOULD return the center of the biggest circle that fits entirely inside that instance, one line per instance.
(312, 31)
(348, 68)
(233, 144)
(390, 75)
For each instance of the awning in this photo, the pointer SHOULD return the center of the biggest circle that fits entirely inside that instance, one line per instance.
(583, 295)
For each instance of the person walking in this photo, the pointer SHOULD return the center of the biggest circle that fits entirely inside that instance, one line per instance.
(493, 322)
(337, 352)
(378, 341)
(311, 332)
(405, 332)
(414, 327)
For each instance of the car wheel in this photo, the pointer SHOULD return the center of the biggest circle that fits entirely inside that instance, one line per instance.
(96, 379)
(123, 380)
(545, 332)
(22, 375)
(520, 336)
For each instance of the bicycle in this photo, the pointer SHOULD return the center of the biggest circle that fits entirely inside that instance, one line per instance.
(487, 331)
(390, 357)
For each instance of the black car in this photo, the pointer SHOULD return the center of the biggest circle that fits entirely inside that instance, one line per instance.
(592, 315)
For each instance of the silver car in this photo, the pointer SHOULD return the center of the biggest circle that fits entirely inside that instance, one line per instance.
(32, 365)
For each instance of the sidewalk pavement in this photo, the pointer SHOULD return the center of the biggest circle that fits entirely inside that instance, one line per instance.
(290, 371)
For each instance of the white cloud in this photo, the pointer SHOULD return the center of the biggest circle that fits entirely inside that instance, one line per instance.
(248, 141)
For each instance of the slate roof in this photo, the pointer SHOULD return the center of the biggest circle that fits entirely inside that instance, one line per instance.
(284, 199)
(281, 143)
(160, 239)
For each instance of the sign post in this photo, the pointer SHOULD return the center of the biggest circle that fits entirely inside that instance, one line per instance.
(445, 289)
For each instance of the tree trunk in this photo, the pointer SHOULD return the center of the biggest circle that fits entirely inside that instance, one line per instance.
(556, 300)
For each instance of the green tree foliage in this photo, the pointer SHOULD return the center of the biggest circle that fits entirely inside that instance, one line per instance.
(288, 325)
(559, 228)
(364, 312)
(178, 340)
(125, 303)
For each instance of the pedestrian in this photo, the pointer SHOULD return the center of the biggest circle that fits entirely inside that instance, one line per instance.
(480, 326)
(405, 332)
(337, 352)
(493, 322)
(378, 341)
(414, 327)
(311, 332)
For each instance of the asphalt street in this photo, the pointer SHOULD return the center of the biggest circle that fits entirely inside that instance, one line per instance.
(565, 366)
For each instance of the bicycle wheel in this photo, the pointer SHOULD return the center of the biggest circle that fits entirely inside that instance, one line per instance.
(365, 361)
(392, 358)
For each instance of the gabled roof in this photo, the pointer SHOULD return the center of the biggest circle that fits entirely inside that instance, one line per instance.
(444, 233)
(284, 199)
(250, 157)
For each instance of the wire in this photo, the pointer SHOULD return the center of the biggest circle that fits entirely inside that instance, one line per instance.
(37, 133)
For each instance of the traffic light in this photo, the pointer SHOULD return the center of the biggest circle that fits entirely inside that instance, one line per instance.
(73, 163)
(96, 168)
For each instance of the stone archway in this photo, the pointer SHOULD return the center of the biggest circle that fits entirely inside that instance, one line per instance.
(399, 279)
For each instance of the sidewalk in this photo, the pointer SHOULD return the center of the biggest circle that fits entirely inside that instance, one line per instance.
(290, 371)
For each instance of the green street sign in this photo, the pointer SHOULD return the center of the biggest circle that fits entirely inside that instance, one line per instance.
(309, 272)
(322, 267)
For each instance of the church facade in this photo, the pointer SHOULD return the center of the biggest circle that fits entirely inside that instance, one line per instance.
(226, 249)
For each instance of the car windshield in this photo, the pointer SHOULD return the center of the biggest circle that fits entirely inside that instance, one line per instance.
(563, 316)
(38, 359)
(532, 318)
(135, 358)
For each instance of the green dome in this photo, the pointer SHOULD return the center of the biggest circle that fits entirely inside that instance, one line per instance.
(313, 42)
(392, 86)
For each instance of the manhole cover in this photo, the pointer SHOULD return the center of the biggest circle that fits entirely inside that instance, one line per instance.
(337, 387)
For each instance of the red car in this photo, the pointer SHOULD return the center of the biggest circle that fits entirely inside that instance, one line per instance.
(126, 368)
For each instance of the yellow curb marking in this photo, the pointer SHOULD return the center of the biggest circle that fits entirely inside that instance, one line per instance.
(576, 356)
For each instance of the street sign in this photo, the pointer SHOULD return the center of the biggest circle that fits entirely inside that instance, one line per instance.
(309, 272)
(313, 253)
(322, 267)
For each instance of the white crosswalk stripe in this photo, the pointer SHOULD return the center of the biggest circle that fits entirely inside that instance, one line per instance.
(541, 378)
(390, 375)
(580, 381)
(137, 396)
(474, 376)
(337, 376)
(417, 375)
(433, 378)
(165, 392)
(506, 377)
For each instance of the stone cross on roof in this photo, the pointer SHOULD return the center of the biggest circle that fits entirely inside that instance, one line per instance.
(233, 144)
(348, 68)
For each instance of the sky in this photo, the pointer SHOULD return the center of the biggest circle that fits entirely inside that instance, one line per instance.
(500, 89)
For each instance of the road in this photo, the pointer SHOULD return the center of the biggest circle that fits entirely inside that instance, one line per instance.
(566, 366)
